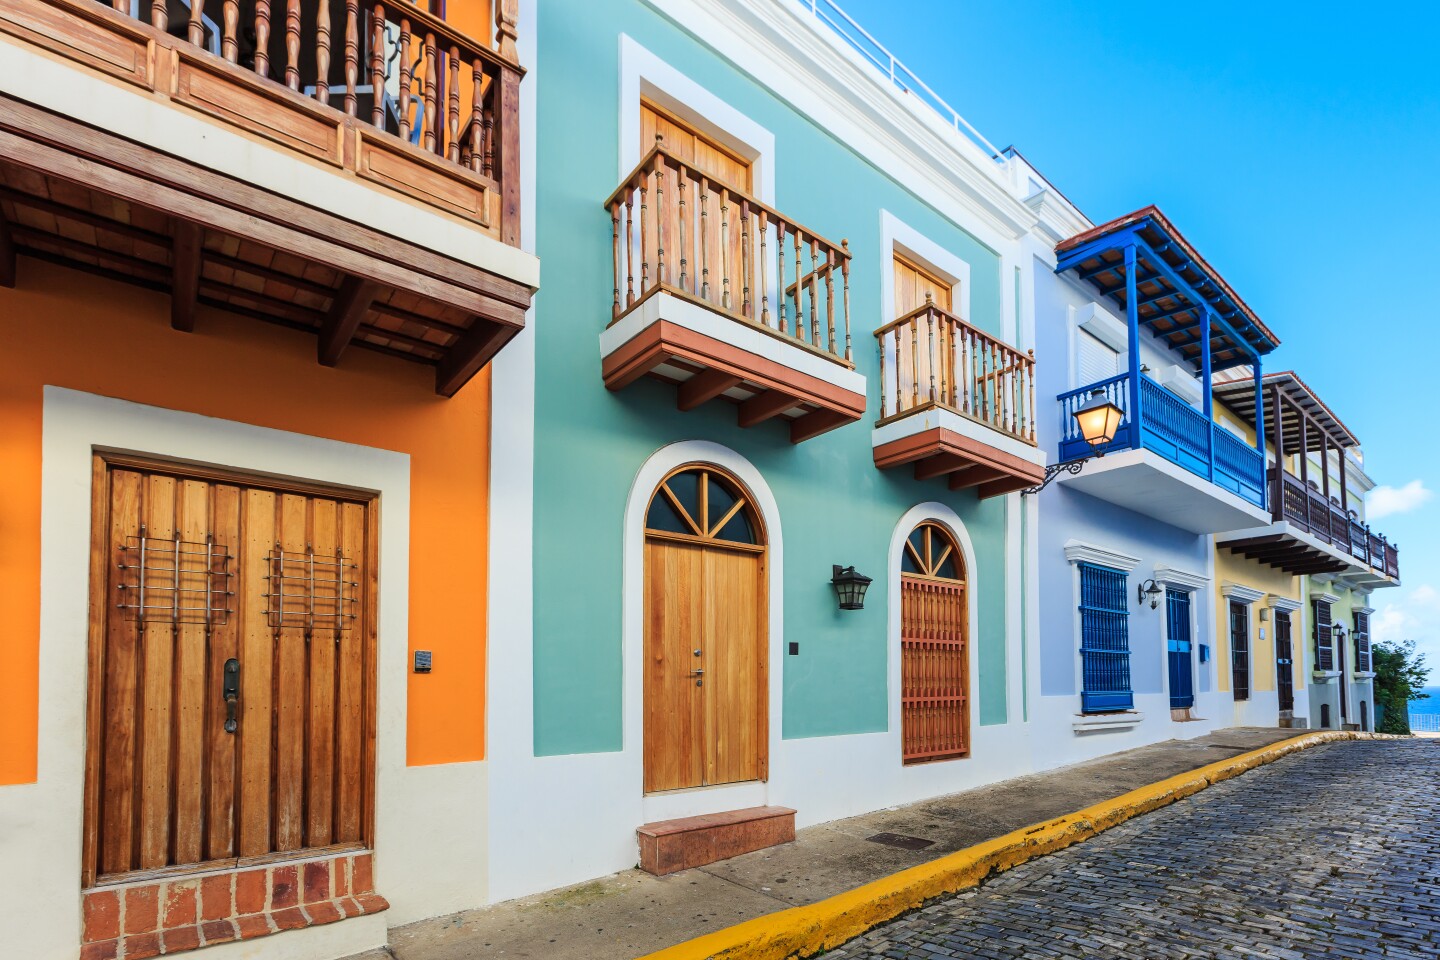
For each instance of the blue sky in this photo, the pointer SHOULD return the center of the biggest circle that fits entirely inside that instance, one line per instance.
(1297, 146)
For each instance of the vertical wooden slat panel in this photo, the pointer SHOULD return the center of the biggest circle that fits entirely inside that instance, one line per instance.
(257, 653)
(157, 655)
(117, 821)
(291, 683)
(190, 688)
(350, 695)
(320, 737)
(221, 754)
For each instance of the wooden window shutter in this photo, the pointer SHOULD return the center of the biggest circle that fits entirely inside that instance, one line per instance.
(1104, 640)
(1324, 646)
(1363, 662)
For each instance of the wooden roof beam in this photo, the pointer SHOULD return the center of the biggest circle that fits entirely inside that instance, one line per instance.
(185, 261)
(349, 307)
(469, 353)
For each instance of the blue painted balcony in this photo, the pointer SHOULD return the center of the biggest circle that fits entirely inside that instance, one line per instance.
(1168, 460)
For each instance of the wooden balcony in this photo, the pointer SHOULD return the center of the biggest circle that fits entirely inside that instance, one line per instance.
(727, 298)
(381, 101)
(956, 403)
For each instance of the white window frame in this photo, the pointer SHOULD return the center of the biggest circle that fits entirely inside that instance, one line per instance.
(1193, 584)
(1248, 596)
(898, 237)
(1078, 552)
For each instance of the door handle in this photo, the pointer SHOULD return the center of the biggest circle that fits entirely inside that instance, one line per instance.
(231, 690)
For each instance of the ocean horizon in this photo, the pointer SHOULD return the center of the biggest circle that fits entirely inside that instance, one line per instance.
(1430, 704)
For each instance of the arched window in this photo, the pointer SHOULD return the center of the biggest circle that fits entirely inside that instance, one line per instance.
(701, 502)
(931, 551)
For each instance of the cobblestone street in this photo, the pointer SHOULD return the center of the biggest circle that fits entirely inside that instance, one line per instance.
(1333, 852)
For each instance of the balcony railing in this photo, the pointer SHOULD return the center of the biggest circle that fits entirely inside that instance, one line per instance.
(675, 229)
(931, 358)
(1326, 521)
(1172, 428)
(389, 67)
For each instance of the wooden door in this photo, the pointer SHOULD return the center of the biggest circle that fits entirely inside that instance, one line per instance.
(231, 670)
(913, 363)
(706, 671)
(934, 648)
(1284, 661)
(913, 283)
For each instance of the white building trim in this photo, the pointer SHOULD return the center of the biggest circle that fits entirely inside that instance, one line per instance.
(896, 236)
(1241, 593)
(1180, 579)
(1078, 551)
(1282, 604)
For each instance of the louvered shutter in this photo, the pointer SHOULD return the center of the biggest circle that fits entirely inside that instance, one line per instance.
(1096, 359)
(1104, 640)
(1324, 646)
(1363, 663)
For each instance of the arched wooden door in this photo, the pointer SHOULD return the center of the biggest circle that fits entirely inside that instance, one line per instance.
(706, 669)
(934, 647)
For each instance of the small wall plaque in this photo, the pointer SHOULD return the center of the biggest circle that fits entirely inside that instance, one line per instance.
(422, 661)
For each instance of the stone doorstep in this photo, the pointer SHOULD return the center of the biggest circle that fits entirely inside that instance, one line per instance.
(144, 919)
(669, 846)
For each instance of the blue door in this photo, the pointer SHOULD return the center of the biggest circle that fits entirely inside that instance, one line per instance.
(1182, 676)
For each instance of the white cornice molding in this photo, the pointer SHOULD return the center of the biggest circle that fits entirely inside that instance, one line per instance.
(1365, 610)
(779, 45)
(1329, 598)
(1283, 604)
(1056, 221)
(1171, 577)
(1077, 551)
(1240, 592)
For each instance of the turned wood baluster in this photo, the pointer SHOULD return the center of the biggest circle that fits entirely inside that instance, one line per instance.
(881, 341)
(452, 113)
(725, 248)
(987, 362)
(845, 296)
(230, 31)
(292, 44)
(644, 234)
(377, 64)
(615, 254)
(490, 136)
(947, 361)
(195, 30)
(682, 185)
(407, 79)
(477, 117)
(814, 312)
(505, 18)
(432, 96)
(914, 363)
(764, 269)
(972, 397)
(899, 374)
(123, 6)
(745, 308)
(322, 51)
(704, 239)
(830, 296)
(1030, 375)
(159, 15)
(262, 37)
(799, 277)
(352, 54)
(629, 248)
(930, 322)
(661, 215)
(780, 272)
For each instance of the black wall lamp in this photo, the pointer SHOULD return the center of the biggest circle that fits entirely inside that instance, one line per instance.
(850, 587)
(1149, 590)
(1098, 418)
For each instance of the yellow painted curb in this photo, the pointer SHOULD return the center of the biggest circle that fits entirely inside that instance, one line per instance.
(805, 931)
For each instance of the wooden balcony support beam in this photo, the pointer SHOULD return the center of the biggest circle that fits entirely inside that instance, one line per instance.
(763, 406)
(815, 423)
(352, 301)
(704, 387)
(471, 352)
(939, 465)
(974, 477)
(7, 254)
(185, 262)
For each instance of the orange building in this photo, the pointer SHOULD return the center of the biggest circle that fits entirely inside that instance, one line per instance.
(253, 275)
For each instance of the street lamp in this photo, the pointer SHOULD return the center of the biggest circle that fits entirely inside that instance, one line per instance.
(1098, 419)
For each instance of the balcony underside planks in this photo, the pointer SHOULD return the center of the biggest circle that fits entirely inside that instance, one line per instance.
(965, 463)
(705, 369)
(1288, 553)
(79, 196)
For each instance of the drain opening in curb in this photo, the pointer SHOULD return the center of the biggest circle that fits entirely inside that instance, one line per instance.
(901, 841)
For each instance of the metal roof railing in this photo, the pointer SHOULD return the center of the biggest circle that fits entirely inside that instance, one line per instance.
(832, 15)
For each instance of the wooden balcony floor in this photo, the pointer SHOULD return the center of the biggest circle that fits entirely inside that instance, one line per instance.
(74, 195)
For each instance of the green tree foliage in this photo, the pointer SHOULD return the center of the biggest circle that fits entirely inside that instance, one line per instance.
(1400, 675)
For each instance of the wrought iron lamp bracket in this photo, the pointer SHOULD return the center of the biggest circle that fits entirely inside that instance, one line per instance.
(1054, 470)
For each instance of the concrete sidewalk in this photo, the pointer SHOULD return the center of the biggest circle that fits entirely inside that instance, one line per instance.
(630, 914)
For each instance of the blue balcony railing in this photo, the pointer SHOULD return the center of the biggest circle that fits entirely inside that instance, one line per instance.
(1172, 428)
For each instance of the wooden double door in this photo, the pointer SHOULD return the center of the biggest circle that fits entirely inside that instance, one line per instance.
(232, 670)
(934, 648)
(705, 672)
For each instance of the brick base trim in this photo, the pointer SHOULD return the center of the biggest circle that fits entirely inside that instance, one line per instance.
(137, 920)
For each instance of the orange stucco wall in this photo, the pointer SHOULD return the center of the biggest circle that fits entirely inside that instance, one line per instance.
(65, 328)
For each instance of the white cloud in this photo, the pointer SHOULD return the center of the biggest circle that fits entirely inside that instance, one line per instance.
(1384, 500)
(1413, 615)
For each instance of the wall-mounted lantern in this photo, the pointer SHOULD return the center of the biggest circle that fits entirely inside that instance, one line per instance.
(1149, 590)
(850, 587)
(1098, 419)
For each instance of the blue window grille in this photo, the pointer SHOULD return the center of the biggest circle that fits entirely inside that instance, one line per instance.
(1104, 640)
(1178, 641)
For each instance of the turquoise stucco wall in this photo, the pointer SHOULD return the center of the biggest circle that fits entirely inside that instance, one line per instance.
(835, 506)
